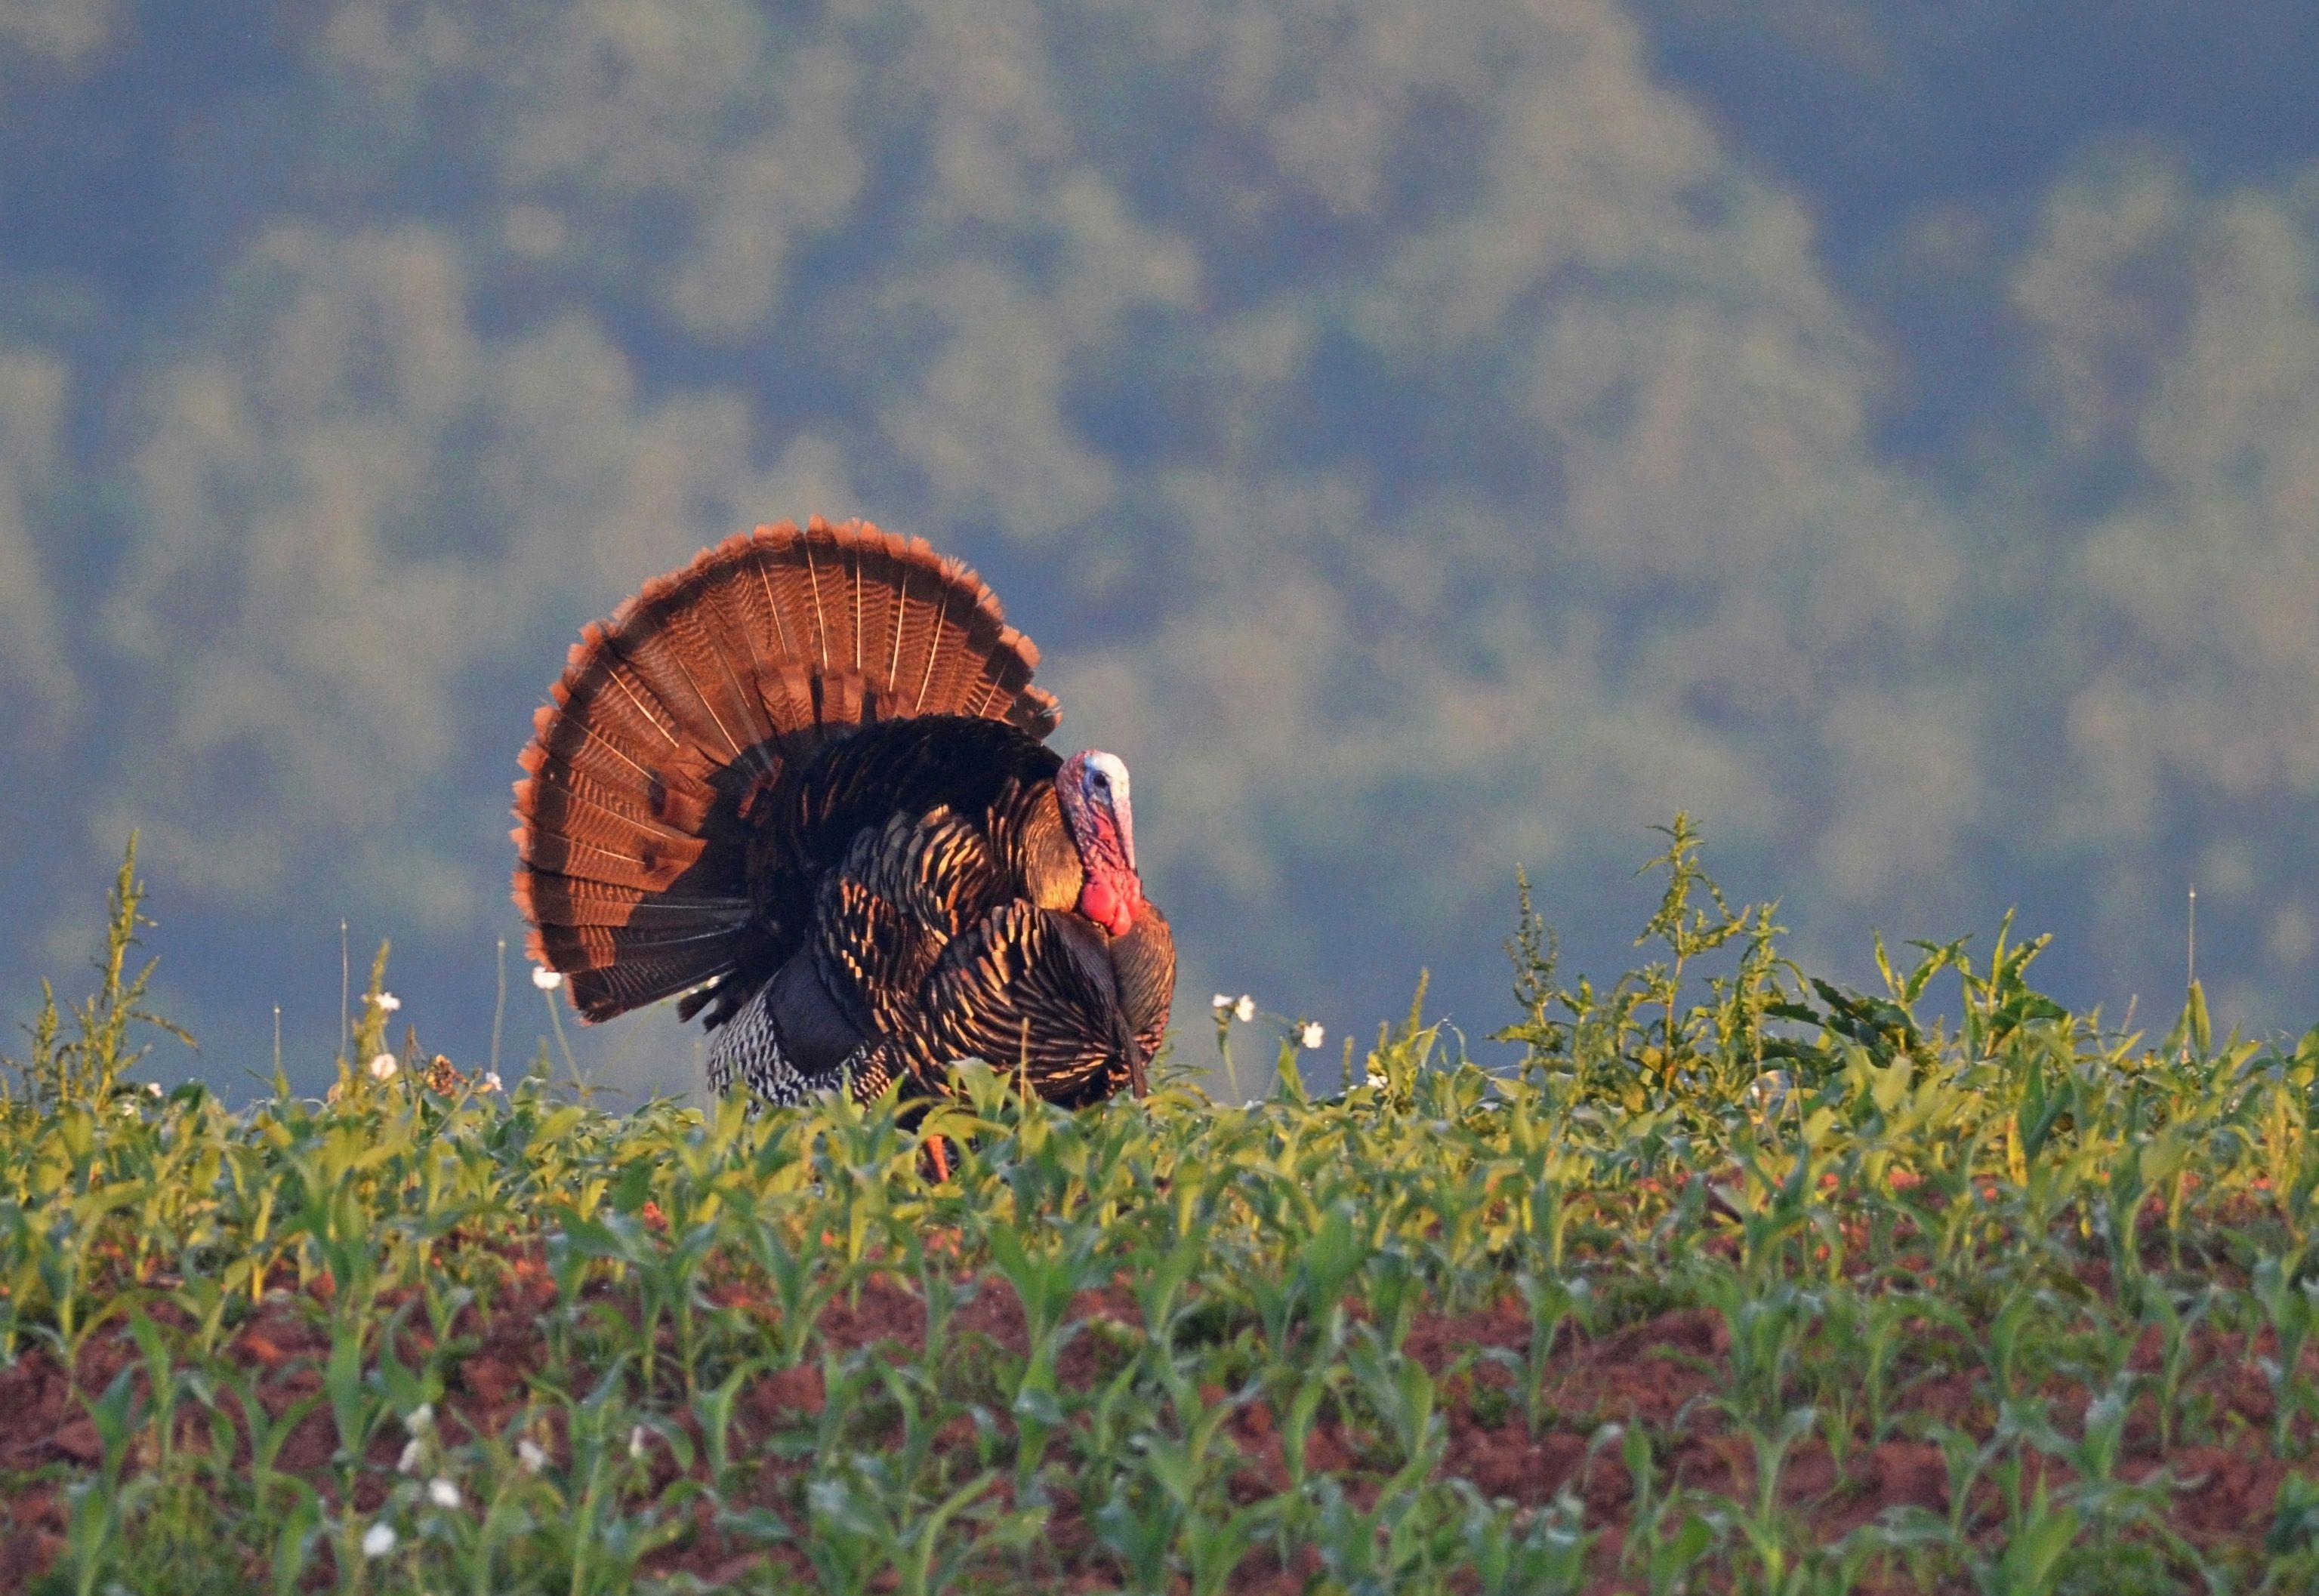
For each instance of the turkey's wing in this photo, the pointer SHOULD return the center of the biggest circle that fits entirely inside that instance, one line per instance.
(882, 918)
(1145, 961)
(1034, 989)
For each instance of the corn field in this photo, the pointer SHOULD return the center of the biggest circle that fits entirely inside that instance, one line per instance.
(1729, 1280)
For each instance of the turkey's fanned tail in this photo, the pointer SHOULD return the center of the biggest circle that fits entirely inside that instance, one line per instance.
(677, 718)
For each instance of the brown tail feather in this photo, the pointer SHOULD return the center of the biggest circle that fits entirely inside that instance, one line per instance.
(694, 698)
(639, 799)
(549, 898)
(599, 994)
(601, 947)
(559, 738)
(644, 865)
(560, 804)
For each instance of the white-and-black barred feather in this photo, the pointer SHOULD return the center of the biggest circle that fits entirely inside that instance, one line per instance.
(746, 1049)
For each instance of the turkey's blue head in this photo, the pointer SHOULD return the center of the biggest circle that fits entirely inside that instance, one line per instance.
(1092, 788)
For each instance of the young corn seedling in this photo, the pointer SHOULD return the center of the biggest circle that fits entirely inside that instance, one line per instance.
(1551, 1304)
(1767, 1528)
(1545, 1557)
(1311, 1297)
(1666, 1539)
(1172, 1514)
(2291, 1305)
(1044, 1274)
(103, 1504)
(2031, 1563)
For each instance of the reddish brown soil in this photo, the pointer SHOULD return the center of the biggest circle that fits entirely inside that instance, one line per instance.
(1655, 1373)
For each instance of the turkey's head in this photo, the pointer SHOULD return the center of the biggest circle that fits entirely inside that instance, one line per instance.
(1093, 788)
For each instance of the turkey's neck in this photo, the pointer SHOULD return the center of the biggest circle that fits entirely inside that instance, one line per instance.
(1032, 838)
(1113, 895)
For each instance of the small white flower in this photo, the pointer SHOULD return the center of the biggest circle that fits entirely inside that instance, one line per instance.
(388, 1002)
(443, 1493)
(1311, 1035)
(546, 980)
(490, 1080)
(152, 1089)
(1245, 1009)
(1220, 1001)
(531, 1455)
(378, 1540)
(1379, 1081)
(420, 1418)
(636, 1443)
(383, 1066)
(408, 1464)
(127, 1106)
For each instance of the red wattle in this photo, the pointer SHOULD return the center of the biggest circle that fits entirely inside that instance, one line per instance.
(1099, 902)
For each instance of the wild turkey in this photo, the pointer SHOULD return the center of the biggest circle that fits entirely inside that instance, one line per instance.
(802, 783)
